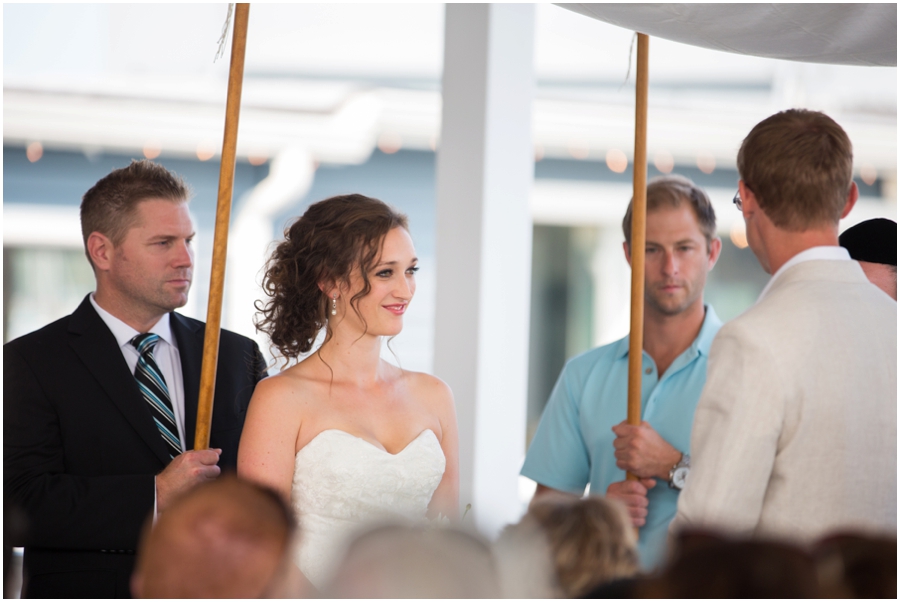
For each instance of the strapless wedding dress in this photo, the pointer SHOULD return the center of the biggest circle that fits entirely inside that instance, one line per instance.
(343, 483)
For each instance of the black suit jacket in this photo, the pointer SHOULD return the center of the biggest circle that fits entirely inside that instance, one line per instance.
(80, 449)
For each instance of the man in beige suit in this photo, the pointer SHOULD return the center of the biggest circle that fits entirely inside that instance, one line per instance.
(795, 434)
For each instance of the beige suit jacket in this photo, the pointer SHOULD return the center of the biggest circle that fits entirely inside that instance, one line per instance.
(795, 434)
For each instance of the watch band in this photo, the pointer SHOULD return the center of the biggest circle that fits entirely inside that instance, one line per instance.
(678, 472)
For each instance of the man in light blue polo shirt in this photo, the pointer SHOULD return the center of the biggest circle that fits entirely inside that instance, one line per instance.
(583, 437)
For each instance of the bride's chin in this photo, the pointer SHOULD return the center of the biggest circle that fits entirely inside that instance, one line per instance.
(382, 332)
(391, 330)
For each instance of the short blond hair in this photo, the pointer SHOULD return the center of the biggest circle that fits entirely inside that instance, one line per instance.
(591, 541)
(799, 166)
(671, 191)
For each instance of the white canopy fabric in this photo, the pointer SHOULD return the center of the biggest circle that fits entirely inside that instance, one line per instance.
(847, 34)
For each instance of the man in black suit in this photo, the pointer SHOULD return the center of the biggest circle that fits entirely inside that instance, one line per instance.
(98, 419)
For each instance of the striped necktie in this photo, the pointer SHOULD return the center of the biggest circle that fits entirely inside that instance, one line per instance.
(155, 392)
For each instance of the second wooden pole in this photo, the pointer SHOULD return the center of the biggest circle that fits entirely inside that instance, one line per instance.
(638, 236)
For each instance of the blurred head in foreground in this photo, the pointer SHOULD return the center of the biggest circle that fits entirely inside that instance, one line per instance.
(873, 243)
(857, 566)
(706, 565)
(590, 542)
(395, 561)
(224, 539)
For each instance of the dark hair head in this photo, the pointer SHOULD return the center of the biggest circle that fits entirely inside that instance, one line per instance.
(857, 565)
(671, 191)
(331, 239)
(799, 165)
(874, 240)
(710, 565)
(109, 206)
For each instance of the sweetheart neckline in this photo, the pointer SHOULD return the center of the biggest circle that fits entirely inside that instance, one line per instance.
(369, 443)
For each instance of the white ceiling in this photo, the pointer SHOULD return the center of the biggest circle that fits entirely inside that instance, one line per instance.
(338, 78)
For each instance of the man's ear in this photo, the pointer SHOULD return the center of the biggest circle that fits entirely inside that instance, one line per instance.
(852, 197)
(100, 249)
(715, 248)
(627, 249)
(748, 199)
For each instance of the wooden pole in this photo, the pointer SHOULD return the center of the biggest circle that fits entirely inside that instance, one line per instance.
(220, 241)
(638, 237)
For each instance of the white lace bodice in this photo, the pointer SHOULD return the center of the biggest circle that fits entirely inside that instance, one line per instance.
(342, 482)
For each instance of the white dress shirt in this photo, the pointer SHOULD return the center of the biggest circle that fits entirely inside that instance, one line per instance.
(165, 353)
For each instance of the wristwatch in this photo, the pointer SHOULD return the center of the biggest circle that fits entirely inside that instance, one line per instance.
(679, 472)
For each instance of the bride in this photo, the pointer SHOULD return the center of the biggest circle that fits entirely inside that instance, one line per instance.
(346, 436)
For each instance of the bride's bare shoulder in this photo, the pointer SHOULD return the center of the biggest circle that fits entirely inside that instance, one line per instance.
(296, 384)
(429, 389)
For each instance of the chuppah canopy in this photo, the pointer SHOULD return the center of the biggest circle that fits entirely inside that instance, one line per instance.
(845, 34)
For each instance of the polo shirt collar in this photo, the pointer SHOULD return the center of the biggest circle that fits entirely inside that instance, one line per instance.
(711, 326)
(701, 344)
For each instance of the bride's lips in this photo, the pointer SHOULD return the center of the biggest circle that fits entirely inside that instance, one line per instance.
(397, 309)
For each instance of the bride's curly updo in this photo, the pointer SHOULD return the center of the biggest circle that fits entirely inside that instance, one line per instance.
(330, 240)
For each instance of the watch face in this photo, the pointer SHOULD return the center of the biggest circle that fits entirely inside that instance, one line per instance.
(679, 476)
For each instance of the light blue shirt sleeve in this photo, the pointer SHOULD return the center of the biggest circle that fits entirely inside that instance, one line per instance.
(558, 457)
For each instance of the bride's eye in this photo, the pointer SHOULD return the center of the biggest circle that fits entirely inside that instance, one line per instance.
(413, 270)
(384, 273)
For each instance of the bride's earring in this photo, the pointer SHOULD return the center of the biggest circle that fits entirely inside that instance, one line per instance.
(334, 304)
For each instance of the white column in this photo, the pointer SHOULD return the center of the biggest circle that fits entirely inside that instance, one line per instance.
(612, 285)
(485, 172)
(252, 234)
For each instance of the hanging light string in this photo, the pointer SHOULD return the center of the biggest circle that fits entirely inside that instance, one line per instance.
(224, 37)
(630, 52)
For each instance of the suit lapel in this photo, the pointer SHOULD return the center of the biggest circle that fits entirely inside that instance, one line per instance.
(97, 348)
(189, 336)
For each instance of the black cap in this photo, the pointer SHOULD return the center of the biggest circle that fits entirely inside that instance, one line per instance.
(874, 241)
